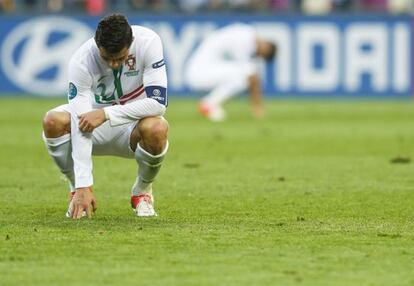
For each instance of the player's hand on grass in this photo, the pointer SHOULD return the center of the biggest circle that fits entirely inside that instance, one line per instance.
(83, 201)
(90, 120)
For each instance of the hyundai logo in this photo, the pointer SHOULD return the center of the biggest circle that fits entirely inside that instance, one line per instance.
(35, 54)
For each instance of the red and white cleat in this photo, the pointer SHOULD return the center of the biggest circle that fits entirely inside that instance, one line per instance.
(143, 205)
(214, 113)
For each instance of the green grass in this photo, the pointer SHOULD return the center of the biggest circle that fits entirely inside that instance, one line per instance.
(307, 196)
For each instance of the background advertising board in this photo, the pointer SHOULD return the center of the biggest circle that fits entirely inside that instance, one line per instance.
(322, 56)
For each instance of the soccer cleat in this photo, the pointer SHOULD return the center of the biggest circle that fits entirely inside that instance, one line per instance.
(214, 113)
(143, 205)
(70, 207)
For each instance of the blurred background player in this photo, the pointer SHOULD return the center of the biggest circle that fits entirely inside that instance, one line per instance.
(117, 96)
(226, 64)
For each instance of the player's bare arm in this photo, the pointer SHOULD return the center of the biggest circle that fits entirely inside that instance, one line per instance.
(256, 96)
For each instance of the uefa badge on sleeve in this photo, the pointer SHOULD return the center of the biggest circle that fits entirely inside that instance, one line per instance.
(72, 92)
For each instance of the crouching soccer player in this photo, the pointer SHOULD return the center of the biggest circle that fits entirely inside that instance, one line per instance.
(226, 64)
(117, 96)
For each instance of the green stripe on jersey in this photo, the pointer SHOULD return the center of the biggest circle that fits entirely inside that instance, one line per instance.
(117, 82)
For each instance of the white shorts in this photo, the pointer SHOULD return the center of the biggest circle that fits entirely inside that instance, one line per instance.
(107, 140)
(204, 75)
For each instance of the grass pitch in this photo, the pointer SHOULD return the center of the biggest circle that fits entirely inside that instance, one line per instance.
(306, 196)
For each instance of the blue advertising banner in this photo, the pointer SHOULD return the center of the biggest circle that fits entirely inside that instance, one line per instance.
(333, 55)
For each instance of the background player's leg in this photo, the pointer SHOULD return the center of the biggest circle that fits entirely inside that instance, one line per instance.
(226, 90)
(56, 128)
(223, 80)
(211, 105)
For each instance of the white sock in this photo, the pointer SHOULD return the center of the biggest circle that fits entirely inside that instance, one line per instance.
(149, 165)
(60, 149)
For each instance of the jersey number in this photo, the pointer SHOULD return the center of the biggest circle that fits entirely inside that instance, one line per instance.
(102, 98)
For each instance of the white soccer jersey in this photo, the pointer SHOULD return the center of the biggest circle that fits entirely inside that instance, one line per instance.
(135, 91)
(235, 42)
(229, 52)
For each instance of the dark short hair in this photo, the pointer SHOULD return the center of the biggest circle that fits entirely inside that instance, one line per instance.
(272, 52)
(113, 33)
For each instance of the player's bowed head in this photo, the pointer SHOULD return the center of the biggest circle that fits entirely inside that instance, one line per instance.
(113, 37)
(265, 49)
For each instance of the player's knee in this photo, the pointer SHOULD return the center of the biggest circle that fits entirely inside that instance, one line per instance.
(154, 128)
(154, 131)
(55, 124)
(160, 130)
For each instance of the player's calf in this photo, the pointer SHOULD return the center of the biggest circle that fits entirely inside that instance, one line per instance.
(152, 145)
(56, 135)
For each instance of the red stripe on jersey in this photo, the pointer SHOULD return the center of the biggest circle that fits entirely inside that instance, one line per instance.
(135, 90)
(123, 100)
(134, 94)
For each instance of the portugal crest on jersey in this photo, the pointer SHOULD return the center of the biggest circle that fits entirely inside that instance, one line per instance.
(131, 63)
